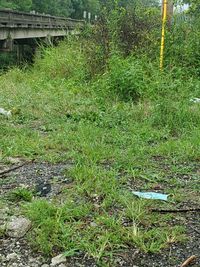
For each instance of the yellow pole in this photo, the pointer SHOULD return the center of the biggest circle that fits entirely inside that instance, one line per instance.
(164, 22)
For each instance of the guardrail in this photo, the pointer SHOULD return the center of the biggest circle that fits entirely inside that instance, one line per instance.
(15, 19)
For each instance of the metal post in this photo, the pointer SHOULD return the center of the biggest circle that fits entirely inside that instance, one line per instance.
(164, 20)
(85, 14)
(89, 17)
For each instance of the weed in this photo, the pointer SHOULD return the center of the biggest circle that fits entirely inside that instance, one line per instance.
(21, 194)
(154, 240)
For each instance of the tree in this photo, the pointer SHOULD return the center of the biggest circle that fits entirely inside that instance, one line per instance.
(23, 5)
(79, 6)
(194, 6)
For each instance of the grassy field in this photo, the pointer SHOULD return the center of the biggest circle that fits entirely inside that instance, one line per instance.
(116, 145)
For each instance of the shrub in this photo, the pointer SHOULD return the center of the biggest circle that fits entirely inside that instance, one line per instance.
(182, 44)
(63, 62)
(126, 78)
(21, 194)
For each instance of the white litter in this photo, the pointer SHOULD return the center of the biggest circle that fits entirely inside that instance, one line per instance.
(195, 100)
(5, 112)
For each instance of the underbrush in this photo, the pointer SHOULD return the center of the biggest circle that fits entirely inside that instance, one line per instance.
(62, 62)
(111, 128)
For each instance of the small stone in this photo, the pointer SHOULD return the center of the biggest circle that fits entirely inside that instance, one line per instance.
(31, 260)
(58, 260)
(14, 160)
(62, 265)
(15, 265)
(4, 213)
(93, 224)
(2, 258)
(18, 227)
(12, 256)
(43, 188)
(45, 265)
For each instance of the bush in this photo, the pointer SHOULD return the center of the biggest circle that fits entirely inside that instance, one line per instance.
(182, 45)
(63, 62)
(127, 78)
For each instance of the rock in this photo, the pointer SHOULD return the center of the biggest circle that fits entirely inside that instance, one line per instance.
(45, 265)
(15, 265)
(93, 224)
(34, 265)
(18, 227)
(58, 260)
(4, 213)
(43, 188)
(12, 257)
(4, 112)
(62, 265)
(2, 258)
(14, 160)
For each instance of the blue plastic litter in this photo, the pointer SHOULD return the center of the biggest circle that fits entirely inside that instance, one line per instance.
(151, 195)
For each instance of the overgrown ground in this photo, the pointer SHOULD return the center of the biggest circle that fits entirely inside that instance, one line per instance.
(109, 145)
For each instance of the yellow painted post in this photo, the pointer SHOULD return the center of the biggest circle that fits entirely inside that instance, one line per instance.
(164, 22)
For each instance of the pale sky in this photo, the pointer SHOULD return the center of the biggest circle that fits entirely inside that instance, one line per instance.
(180, 7)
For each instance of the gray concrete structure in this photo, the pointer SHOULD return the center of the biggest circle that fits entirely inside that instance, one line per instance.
(20, 27)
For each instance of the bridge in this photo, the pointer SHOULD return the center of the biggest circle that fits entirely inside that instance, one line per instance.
(20, 27)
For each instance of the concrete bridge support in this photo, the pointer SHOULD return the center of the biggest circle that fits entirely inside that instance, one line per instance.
(7, 45)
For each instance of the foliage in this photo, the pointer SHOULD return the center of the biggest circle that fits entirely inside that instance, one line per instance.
(72, 8)
(69, 228)
(126, 78)
(103, 104)
(112, 143)
(194, 6)
(59, 7)
(62, 62)
(79, 6)
(24, 5)
(21, 194)
(122, 29)
(7, 60)
(182, 44)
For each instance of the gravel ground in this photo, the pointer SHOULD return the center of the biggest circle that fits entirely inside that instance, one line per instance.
(48, 179)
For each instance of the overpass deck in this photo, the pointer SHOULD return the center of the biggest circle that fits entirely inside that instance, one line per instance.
(16, 25)
(15, 19)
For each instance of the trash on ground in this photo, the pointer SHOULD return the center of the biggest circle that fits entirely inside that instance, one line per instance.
(5, 112)
(195, 100)
(151, 195)
(189, 261)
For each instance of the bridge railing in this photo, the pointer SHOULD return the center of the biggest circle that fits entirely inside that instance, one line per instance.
(15, 19)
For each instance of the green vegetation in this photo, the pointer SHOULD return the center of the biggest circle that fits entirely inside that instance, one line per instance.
(123, 123)
(78, 227)
(72, 8)
(21, 194)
